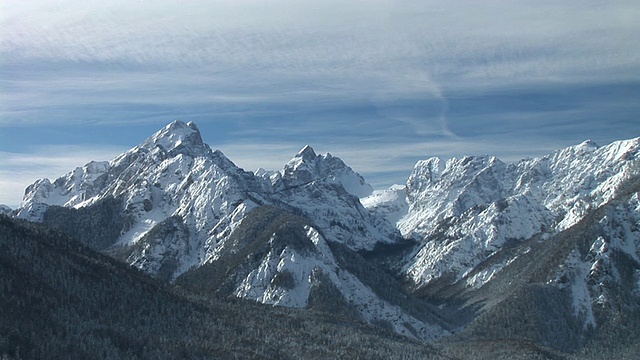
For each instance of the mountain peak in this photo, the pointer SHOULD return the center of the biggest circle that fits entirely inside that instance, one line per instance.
(178, 137)
(587, 145)
(306, 153)
(178, 126)
(307, 166)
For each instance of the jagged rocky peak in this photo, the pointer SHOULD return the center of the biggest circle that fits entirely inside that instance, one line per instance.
(426, 172)
(69, 190)
(482, 203)
(306, 153)
(263, 173)
(454, 179)
(588, 145)
(306, 159)
(307, 167)
(178, 137)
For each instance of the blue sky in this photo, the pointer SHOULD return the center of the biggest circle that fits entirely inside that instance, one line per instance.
(380, 84)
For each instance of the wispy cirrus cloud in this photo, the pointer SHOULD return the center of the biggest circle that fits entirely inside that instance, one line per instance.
(380, 83)
(119, 51)
(388, 45)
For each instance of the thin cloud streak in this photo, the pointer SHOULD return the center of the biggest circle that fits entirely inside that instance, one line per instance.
(492, 40)
(291, 53)
(378, 83)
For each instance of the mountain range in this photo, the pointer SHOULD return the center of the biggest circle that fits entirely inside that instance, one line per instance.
(477, 257)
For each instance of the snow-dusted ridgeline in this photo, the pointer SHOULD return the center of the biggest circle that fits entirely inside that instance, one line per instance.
(463, 210)
(181, 202)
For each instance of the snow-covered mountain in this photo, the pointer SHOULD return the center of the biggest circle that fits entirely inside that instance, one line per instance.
(578, 291)
(464, 210)
(172, 204)
(173, 177)
(324, 189)
(275, 257)
(175, 181)
(545, 250)
(471, 234)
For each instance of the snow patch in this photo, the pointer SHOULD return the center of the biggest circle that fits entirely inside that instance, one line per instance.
(465, 209)
(390, 204)
(582, 302)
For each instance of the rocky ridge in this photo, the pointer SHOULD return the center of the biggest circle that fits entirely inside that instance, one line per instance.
(315, 235)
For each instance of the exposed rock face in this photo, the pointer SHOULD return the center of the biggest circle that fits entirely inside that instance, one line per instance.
(487, 234)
